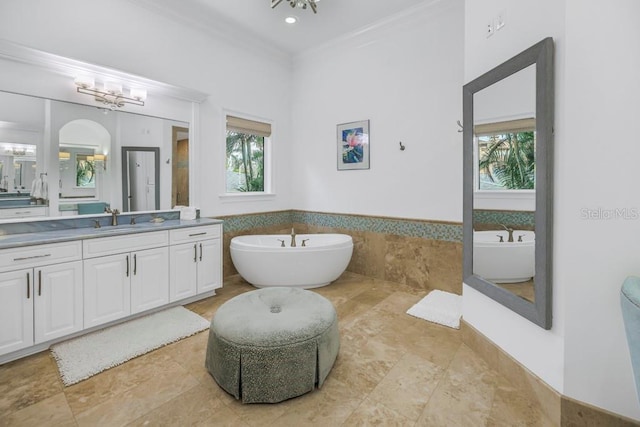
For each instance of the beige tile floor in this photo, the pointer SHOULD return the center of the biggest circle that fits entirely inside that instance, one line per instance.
(392, 369)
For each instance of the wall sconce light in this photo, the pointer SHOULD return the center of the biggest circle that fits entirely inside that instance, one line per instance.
(111, 94)
(63, 155)
(100, 158)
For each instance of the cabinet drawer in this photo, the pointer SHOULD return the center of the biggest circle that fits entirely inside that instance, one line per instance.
(34, 256)
(192, 234)
(24, 212)
(102, 246)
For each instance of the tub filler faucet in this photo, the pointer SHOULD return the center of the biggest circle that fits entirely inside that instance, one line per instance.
(510, 231)
(293, 238)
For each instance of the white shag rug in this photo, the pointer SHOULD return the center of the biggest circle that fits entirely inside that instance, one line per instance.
(85, 356)
(439, 307)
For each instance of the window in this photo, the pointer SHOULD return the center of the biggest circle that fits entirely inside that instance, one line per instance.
(506, 155)
(246, 143)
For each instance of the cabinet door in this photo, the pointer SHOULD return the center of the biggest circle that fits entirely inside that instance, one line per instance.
(183, 271)
(57, 300)
(209, 261)
(107, 289)
(149, 279)
(16, 310)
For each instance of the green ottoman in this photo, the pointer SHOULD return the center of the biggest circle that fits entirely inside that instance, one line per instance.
(272, 344)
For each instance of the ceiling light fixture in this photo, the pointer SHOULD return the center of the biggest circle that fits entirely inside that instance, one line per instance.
(290, 19)
(111, 94)
(298, 3)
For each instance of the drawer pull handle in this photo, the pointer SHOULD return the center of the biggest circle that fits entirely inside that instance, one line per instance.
(28, 286)
(39, 283)
(198, 234)
(127, 265)
(31, 257)
(135, 264)
(195, 253)
(200, 251)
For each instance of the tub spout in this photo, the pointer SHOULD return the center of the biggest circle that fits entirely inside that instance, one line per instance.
(293, 238)
(510, 231)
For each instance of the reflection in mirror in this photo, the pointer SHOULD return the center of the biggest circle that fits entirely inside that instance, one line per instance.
(180, 167)
(17, 166)
(140, 179)
(80, 140)
(504, 183)
(76, 132)
(508, 122)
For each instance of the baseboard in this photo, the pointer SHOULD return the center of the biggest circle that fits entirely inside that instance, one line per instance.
(559, 409)
(580, 414)
(538, 392)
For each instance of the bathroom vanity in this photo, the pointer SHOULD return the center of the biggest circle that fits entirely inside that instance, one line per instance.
(65, 282)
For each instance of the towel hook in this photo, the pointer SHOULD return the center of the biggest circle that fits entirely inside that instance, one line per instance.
(461, 127)
(402, 147)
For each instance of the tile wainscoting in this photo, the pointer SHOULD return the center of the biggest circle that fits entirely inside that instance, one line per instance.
(486, 219)
(419, 253)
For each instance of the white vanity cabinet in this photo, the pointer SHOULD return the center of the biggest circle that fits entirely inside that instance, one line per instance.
(124, 275)
(53, 291)
(196, 260)
(40, 294)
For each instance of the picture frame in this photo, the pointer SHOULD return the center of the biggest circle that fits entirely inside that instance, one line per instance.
(353, 145)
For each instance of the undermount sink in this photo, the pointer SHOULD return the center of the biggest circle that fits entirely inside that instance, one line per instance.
(113, 228)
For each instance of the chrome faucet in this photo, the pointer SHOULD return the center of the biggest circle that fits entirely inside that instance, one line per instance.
(114, 215)
(293, 238)
(510, 231)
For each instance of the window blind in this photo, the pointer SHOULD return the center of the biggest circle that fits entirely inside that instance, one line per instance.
(510, 126)
(240, 125)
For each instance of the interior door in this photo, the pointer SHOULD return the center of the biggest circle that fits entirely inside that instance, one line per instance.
(140, 179)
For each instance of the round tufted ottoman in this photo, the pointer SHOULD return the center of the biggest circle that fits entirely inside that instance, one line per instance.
(272, 344)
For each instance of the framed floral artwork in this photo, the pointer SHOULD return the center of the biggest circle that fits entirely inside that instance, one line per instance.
(353, 145)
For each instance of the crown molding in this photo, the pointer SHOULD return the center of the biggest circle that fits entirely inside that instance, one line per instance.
(219, 29)
(395, 19)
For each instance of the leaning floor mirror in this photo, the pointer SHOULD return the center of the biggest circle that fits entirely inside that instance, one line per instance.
(508, 183)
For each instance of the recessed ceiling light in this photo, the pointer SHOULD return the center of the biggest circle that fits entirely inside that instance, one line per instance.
(290, 19)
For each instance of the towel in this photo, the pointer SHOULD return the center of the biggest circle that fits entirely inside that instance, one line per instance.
(36, 188)
(39, 189)
(439, 307)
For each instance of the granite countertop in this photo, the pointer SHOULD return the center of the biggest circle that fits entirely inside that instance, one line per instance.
(65, 235)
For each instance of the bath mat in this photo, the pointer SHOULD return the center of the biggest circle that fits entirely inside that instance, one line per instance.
(439, 307)
(85, 356)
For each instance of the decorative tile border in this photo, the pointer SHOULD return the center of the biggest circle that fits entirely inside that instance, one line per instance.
(238, 223)
(433, 230)
(511, 218)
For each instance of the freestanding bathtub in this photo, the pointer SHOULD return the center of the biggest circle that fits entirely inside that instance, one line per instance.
(262, 261)
(504, 262)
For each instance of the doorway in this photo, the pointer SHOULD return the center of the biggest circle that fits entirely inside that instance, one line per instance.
(180, 167)
(140, 179)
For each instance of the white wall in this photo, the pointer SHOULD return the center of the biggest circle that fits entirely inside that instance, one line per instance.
(585, 355)
(598, 168)
(140, 42)
(526, 24)
(406, 78)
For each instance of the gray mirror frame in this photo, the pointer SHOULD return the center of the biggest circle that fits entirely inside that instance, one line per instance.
(125, 151)
(540, 311)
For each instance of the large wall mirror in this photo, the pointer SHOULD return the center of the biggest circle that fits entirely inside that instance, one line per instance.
(78, 150)
(508, 187)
